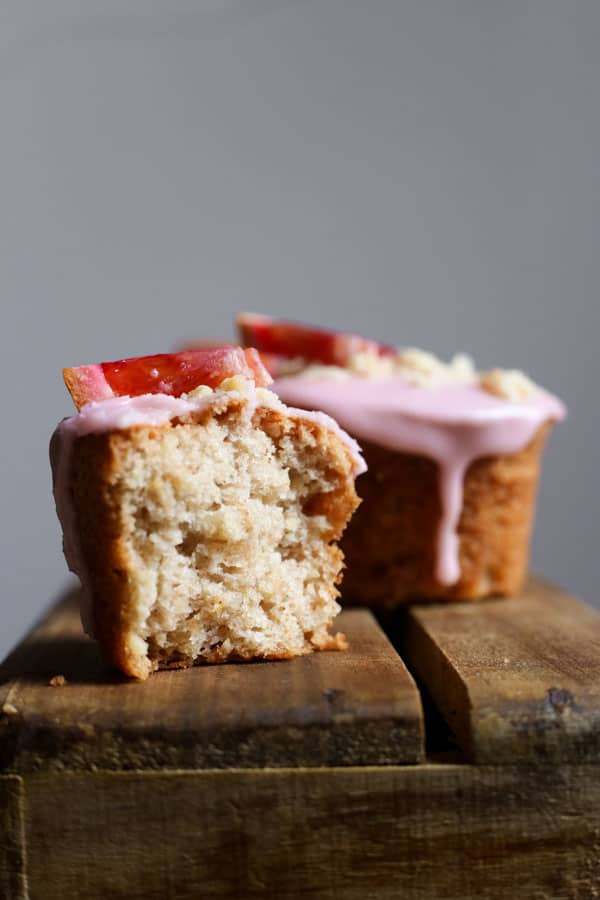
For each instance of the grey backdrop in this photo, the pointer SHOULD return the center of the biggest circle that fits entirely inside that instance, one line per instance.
(425, 172)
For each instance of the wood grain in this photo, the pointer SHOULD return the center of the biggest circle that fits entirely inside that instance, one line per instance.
(416, 833)
(517, 680)
(357, 707)
(12, 839)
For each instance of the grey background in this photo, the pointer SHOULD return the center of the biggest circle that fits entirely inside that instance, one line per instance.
(425, 172)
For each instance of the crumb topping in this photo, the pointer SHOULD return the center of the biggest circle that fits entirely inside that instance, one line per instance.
(203, 390)
(427, 370)
(509, 384)
(421, 369)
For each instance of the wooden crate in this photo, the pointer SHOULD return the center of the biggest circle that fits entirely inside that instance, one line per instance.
(331, 776)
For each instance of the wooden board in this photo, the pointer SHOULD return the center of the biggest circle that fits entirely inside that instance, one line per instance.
(357, 707)
(12, 839)
(416, 833)
(517, 680)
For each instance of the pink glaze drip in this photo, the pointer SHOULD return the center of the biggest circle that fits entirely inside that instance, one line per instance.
(451, 424)
(125, 412)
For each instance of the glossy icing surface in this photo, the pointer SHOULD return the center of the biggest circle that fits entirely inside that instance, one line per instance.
(453, 424)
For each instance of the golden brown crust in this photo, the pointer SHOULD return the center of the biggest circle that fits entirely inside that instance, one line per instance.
(94, 465)
(390, 544)
(94, 473)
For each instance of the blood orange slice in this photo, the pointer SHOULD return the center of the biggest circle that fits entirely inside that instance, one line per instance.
(273, 339)
(165, 373)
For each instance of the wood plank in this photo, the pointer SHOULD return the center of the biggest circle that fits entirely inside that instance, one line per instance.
(419, 833)
(517, 680)
(12, 839)
(351, 708)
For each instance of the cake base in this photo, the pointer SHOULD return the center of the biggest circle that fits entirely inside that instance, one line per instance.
(210, 537)
(390, 544)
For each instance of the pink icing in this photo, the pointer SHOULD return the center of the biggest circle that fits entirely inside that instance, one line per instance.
(124, 412)
(451, 424)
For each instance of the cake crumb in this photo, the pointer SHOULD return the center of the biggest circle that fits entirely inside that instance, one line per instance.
(9, 709)
(57, 681)
(428, 370)
(236, 383)
(292, 365)
(371, 365)
(203, 390)
(419, 368)
(508, 384)
(267, 398)
(326, 373)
